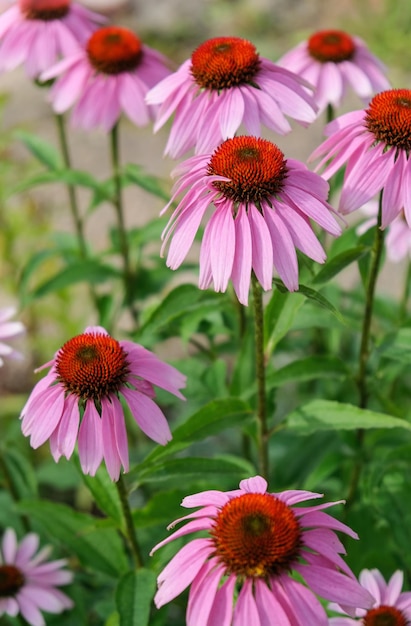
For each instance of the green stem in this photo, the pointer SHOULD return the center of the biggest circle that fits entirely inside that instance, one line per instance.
(262, 429)
(130, 530)
(122, 232)
(406, 294)
(71, 190)
(369, 305)
(330, 114)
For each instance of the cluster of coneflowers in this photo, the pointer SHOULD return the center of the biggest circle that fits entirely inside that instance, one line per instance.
(261, 557)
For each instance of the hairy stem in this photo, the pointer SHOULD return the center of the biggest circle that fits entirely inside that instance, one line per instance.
(130, 530)
(262, 431)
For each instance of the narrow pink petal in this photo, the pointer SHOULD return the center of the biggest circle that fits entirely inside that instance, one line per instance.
(187, 226)
(245, 612)
(120, 432)
(284, 254)
(222, 245)
(336, 587)
(69, 87)
(295, 496)
(9, 546)
(319, 519)
(181, 571)
(255, 484)
(29, 609)
(27, 548)
(299, 602)
(242, 263)
(267, 109)
(231, 109)
(90, 441)
(206, 498)
(222, 610)
(330, 85)
(262, 248)
(373, 581)
(202, 593)
(148, 416)
(45, 424)
(148, 366)
(64, 437)
(393, 194)
(131, 93)
(268, 606)
(394, 588)
(110, 451)
(364, 180)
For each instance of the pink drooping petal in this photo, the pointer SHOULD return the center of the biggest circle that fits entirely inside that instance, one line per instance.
(110, 449)
(262, 248)
(148, 416)
(222, 610)
(202, 593)
(242, 263)
(222, 245)
(284, 254)
(64, 437)
(90, 441)
(268, 605)
(245, 611)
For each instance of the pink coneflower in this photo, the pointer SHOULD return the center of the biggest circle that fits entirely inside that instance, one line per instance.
(28, 584)
(80, 396)
(226, 83)
(9, 330)
(332, 60)
(255, 541)
(261, 209)
(111, 75)
(375, 145)
(37, 33)
(390, 608)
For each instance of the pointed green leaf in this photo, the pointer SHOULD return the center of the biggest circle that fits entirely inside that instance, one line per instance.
(335, 265)
(105, 494)
(195, 467)
(311, 368)
(41, 149)
(134, 596)
(152, 184)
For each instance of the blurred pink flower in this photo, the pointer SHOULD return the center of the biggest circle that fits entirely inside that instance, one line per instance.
(398, 236)
(80, 397)
(262, 204)
(225, 84)
(9, 330)
(28, 584)
(390, 608)
(254, 543)
(374, 144)
(111, 75)
(37, 33)
(332, 60)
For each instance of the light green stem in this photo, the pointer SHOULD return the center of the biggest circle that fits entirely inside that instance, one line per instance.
(130, 530)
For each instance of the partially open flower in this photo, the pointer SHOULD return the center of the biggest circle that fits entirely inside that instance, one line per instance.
(9, 330)
(111, 75)
(242, 571)
(80, 398)
(37, 33)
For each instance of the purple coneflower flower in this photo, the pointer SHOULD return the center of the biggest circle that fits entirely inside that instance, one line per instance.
(390, 608)
(375, 145)
(37, 33)
(9, 330)
(111, 75)
(332, 60)
(80, 397)
(261, 203)
(241, 573)
(225, 84)
(28, 584)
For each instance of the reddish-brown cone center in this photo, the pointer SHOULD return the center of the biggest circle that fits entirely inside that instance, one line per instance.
(331, 45)
(44, 9)
(256, 168)
(256, 535)
(385, 616)
(224, 62)
(92, 366)
(112, 50)
(388, 117)
(11, 580)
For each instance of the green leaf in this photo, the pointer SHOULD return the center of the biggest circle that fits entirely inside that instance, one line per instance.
(397, 346)
(105, 494)
(279, 316)
(42, 150)
(210, 420)
(19, 472)
(134, 595)
(335, 265)
(318, 298)
(67, 177)
(90, 271)
(195, 467)
(98, 548)
(310, 368)
(330, 415)
(152, 184)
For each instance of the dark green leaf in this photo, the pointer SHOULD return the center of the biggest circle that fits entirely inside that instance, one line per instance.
(105, 494)
(335, 265)
(91, 272)
(19, 473)
(195, 467)
(311, 368)
(152, 184)
(134, 595)
(279, 316)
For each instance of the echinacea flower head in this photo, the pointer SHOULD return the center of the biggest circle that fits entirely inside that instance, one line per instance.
(261, 206)
(37, 33)
(9, 330)
(79, 398)
(109, 76)
(375, 145)
(225, 84)
(29, 582)
(243, 571)
(391, 606)
(331, 61)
